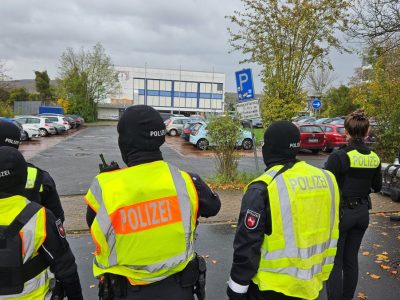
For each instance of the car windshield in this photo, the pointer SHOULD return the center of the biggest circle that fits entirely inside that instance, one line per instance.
(341, 130)
(310, 129)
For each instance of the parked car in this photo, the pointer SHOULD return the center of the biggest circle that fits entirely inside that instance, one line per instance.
(24, 136)
(57, 119)
(79, 121)
(42, 124)
(29, 131)
(174, 125)
(335, 121)
(166, 116)
(304, 119)
(312, 137)
(322, 120)
(60, 128)
(187, 129)
(202, 141)
(71, 122)
(334, 137)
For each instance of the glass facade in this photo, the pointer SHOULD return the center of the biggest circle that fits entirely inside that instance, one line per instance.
(178, 94)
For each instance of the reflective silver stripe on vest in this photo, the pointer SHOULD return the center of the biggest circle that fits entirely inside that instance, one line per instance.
(291, 250)
(186, 213)
(184, 205)
(96, 191)
(303, 274)
(29, 233)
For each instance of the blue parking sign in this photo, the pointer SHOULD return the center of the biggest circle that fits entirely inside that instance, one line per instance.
(244, 83)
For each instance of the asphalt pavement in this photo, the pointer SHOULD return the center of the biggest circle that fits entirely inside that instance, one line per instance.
(215, 243)
(74, 162)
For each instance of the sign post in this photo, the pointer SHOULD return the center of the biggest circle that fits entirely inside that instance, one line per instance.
(244, 83)
(316, 105)
(247, 111)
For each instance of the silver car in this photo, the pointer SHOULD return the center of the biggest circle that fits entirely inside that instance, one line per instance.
(174, 125)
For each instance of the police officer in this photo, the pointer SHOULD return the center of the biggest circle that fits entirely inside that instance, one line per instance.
(358, 173)
(28, 226)
(143, 218)
(40, 186)
(287, 231)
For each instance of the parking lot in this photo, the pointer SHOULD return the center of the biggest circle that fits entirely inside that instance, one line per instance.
(72, 159)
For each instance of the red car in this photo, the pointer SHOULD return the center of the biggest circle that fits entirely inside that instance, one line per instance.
(312, 137)
(334, 136)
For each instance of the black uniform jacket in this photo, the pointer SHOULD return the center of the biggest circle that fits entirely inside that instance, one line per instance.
(209, 202)
(247, 242)
(354, 182)
(49, 197)
(58, 254)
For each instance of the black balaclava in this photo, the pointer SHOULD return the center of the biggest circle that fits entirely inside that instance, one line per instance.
(141, 133)
(281, 142)
(13, 172)
(10, 135)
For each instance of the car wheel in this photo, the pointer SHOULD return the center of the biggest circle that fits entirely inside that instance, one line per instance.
(315, 151)
(27, 138)
(395, 195)
(173, 132)
(202, 144)
(327, 149)
(247, 144)
(43, 132)
(24, 136)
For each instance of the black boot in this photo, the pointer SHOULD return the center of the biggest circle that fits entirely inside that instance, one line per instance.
(395, 218)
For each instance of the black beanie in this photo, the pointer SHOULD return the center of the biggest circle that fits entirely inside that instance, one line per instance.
(10, 135)
(281, 142)
(13, 171)
(140, 127)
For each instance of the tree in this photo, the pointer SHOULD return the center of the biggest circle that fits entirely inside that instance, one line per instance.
(288, 38)
(377, 22)
(43, 87)
(381, 99)
(224, 132)
(19, 94)
(338, 102)
(86, 78)
(319, 81)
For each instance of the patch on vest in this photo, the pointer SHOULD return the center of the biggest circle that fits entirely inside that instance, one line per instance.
(60, 228)
(251, 219)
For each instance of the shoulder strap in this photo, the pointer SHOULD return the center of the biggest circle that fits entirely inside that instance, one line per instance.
(20, 221)
(285, 167)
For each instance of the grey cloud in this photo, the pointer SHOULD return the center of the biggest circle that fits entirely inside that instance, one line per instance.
(191, 33)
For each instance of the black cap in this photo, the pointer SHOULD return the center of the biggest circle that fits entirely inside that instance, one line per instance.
(10, 135)
(13, 171)
(140, 127)
(281, 141)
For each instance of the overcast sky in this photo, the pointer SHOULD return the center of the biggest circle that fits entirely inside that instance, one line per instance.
(161, 33)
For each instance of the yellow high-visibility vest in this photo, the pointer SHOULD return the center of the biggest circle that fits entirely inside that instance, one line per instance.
(363, 161)
(145, 221)
(33, 235)
(31, 179)
(299, 254)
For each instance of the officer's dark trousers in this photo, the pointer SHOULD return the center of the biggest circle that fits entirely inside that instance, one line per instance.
(343, 280)
(167, 289)
(255, 294)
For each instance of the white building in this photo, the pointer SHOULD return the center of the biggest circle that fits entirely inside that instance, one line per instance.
(175, 91)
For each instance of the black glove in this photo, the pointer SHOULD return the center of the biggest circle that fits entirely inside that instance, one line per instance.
(235, 296)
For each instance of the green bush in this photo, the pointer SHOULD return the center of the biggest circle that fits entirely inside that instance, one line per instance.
(224, 133)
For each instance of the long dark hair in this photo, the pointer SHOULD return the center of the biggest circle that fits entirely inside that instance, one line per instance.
(357, 125)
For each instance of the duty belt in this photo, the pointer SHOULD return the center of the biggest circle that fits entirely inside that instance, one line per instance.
(353, 202)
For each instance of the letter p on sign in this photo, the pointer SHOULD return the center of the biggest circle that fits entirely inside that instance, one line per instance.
(244, 84)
